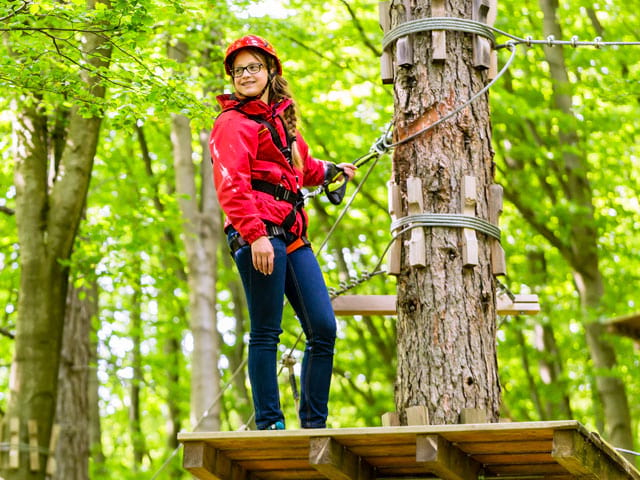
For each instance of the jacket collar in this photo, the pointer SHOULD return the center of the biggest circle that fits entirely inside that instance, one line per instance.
(253, 107)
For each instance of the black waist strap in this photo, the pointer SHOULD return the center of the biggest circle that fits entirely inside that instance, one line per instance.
(277, 191)
(296, 199)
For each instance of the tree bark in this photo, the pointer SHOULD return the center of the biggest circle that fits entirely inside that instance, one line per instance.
(72, 414)
(48, 212)
(446, 312)
(201, 225)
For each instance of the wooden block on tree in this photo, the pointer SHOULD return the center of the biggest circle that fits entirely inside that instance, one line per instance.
(14, 443)
(417, 246)
(438, 455)
(498, 262)
(491, 20)
(337, 462)
(417, 415)
(34, 450)
(386, 60)
(438, 37)
(481, 45)
(390, 419)
(404, 45)
(53, 444)
(469, 238)
(473, 415)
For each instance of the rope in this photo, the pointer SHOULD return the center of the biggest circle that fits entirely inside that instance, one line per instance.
(511, 46)
(438, 23)
(448, 220)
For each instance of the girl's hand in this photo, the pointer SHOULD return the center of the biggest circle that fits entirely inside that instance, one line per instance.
(349, 169)
(262, 255)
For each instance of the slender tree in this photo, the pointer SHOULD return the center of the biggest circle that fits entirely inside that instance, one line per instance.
(201, 217)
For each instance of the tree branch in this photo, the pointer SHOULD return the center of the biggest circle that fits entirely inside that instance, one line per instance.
(7, 210)
(360, 29)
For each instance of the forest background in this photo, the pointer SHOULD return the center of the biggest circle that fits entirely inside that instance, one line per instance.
(135, 245)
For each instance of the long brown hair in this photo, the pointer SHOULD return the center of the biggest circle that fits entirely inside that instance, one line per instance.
(279, 90)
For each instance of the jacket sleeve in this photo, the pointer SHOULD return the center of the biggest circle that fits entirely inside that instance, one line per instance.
(313, 168)
(233, 144)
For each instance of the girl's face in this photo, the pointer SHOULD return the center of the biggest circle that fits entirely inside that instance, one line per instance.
(250, 84)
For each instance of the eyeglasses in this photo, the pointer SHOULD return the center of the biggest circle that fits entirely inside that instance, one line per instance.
(252, 68)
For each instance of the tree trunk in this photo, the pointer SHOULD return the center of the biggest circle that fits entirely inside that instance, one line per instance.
(201, 227)
(582, 251)
(446, 311)
(48, 212)
(72, 414)
(135, 418)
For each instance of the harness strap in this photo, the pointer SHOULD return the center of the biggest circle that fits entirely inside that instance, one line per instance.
(279, 192)
(284, 149)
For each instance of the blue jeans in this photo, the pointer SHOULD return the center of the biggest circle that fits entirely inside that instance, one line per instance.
(298, 276)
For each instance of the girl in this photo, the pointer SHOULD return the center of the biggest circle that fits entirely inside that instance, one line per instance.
(260, 162)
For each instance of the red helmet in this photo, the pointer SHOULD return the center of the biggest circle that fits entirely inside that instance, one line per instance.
(250, 41)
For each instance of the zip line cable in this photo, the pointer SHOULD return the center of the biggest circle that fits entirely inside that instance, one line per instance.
(383, 144)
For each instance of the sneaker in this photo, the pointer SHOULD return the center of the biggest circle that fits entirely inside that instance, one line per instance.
(276, 426)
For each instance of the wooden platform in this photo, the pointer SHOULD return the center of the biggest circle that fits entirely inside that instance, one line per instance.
(511, 451)
(628, 326)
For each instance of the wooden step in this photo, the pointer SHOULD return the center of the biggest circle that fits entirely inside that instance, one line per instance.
(346, 305)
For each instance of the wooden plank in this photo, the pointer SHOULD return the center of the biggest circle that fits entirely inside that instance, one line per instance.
(199, 459)
(473, 415)
(53, 444)
(364, 305)
(336, 461)
(417, 246)
(208, 463)
(34, 450)
(439, 456)
(628, 326)
(581, 458)
(438, 37)
(417, 415)
(520, 305)
(498, 260)
(14, 443)
(507, 447)
(390, 419)
(386, 60)
(481, 45)
(386, 305)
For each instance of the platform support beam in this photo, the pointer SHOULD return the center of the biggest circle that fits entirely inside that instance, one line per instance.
(337, 462)
(582, 459)
(441, 457)
(207, 463)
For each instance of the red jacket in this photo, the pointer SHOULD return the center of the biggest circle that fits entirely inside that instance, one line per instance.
(243, 150)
